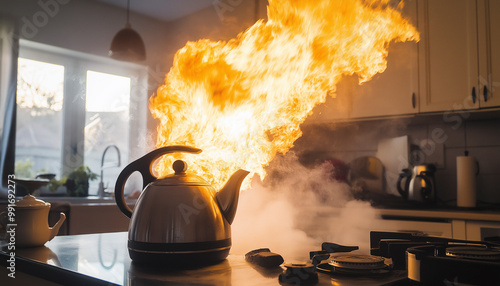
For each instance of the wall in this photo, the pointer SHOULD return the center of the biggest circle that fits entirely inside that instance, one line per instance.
(222, 21)
(349, 140)
(89, 27)
(85, 26)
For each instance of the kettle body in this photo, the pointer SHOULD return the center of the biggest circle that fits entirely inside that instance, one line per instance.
(180, 219)
(418, 184)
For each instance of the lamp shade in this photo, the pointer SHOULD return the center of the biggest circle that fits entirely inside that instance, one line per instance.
(127, 45)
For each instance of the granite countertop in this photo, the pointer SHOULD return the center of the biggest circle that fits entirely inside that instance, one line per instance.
(102, 259)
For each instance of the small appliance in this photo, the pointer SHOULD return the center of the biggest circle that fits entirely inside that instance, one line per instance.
(418, 184)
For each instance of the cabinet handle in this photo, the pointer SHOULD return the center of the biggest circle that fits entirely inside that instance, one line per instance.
(485, 93)
(474, 95)
(413, 100)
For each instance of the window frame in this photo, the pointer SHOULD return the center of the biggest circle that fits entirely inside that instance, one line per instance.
(76, 64)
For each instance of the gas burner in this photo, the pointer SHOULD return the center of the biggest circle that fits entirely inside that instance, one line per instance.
(473, 252)
(299, 274)
(364, 262)
(356, 265)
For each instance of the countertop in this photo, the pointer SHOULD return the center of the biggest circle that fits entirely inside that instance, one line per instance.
(425, 213)
(443, 213)
(102, 259)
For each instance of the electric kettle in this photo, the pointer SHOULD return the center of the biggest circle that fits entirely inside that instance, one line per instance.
(179, 219)
(418, 184)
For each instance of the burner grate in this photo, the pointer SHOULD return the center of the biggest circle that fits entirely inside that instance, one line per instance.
(473, 252)
(365, 262)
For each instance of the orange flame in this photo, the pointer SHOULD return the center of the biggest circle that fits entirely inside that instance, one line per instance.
(243, 101)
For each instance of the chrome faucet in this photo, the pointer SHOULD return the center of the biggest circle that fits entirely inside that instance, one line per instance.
(102, 188)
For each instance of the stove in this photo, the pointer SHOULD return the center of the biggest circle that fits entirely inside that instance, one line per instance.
(356, 265)
(439, 261)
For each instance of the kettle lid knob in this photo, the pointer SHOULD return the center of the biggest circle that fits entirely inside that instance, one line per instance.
(179, 167)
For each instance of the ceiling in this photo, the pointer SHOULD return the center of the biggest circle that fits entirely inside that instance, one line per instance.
(164, 10)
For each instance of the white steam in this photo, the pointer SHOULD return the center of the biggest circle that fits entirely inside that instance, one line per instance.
(296, 209)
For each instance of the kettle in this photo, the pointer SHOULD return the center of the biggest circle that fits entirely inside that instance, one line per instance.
(179, 219)
(419, 183)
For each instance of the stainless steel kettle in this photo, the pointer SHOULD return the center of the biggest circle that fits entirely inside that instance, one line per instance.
(178, 219)
(419, 183)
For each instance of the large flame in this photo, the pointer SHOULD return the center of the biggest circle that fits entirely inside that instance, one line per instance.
(243, 101)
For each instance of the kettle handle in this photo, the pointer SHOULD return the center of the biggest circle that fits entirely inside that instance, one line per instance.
(427, 191)
(405, 174)
(144, 165)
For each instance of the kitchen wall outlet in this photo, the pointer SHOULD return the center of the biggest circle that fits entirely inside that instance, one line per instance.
(432, 152)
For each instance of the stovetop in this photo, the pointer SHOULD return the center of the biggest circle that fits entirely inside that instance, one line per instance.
(437, 260)
(102, 259)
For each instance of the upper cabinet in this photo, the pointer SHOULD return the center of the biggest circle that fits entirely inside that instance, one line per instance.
(489, 47)
(459, 54)
(449, 73)
(395, 91)
(455, 66)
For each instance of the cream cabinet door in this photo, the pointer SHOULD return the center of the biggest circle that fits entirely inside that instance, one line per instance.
(448, 55)
(395, 91)
(489, 21)
(336, 107)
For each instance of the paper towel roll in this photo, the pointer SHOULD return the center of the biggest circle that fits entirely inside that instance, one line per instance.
(466, 181)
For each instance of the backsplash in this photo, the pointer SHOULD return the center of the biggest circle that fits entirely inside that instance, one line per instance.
(446, 137)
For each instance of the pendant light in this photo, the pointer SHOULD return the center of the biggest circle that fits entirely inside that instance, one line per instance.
(127, 45)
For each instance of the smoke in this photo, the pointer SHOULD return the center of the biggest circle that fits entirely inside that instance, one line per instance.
(296, 209)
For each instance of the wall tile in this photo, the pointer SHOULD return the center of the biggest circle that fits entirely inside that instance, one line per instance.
(348, 141)
(453, 134)
(488, 189)
(446, 187)
(483, 133)
(488, 159)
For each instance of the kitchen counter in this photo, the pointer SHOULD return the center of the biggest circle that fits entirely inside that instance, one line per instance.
(102, 259)
(442, 214)
(426, 213)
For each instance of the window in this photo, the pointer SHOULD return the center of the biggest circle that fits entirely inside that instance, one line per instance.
(39, 118)
(106, 122)
(71, 107)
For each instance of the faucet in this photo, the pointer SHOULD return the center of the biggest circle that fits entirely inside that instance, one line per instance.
(102, 188)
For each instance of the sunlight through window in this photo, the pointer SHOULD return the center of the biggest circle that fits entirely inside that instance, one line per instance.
(107, 92)
(39, 118)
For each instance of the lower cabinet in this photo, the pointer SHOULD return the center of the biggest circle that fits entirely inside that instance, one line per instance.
(454, 228)
(98, 218)
(481, 230)
(441, 229)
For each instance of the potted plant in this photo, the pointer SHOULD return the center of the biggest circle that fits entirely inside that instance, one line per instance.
(77, 182)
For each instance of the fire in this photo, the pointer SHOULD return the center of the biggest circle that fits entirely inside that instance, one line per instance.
(242, 101)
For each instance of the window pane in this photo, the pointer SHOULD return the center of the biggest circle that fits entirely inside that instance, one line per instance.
(106, 124)
(39, 118)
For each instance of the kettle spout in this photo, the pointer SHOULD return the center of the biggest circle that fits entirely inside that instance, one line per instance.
(227, 197)
(55, 229)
